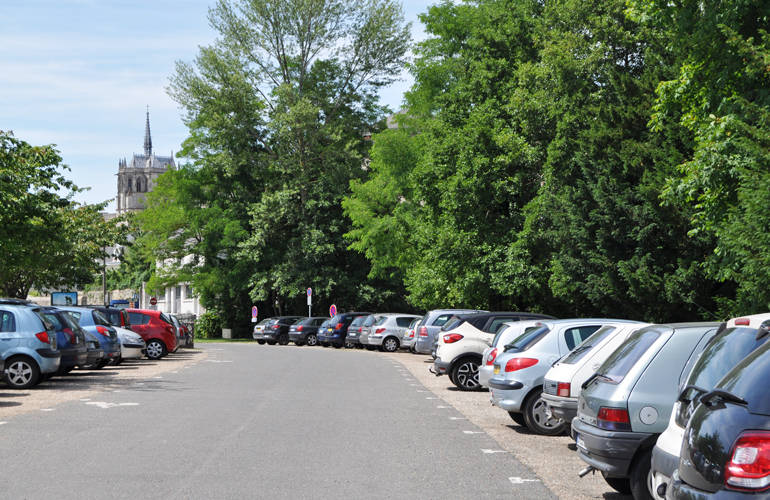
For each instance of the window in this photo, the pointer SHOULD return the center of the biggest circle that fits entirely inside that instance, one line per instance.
(168, 320)
(625, 357)
(404, 321)
(498, 323)
(591, 342)
(528, 339)
(380, 320)
(178, 292)
(188, 292)
(358, 321)
(7, 322)
(369, 321)
(138, 318)
(319, 321)
(575, 336)
(441, 320)
(100, 319)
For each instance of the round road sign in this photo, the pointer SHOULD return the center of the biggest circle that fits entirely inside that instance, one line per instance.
(309, 292)
(254, 312)
(332, 311)
(153, 301)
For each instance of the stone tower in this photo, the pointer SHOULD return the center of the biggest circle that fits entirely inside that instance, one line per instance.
(137, 178)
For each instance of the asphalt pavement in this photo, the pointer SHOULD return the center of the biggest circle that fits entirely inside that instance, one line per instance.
(251, 421)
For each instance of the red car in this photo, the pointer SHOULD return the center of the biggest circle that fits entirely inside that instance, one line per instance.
(156, 329)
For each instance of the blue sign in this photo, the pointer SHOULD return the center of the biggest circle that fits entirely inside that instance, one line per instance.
(332, 311)
(254, 312)
(309, 292)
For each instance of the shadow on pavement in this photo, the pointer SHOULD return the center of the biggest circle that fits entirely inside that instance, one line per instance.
(4, 404)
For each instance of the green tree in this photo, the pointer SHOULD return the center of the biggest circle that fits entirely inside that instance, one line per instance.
(47, 240)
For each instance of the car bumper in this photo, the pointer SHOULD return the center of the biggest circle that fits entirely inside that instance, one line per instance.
(407, 343)
(334, 338)
(94, 355)
(353, 338)
(486, 372)
(375, 340)
(562, 408)
(270, 336)
(49, 360)
(132, 352)
(258, 336)
(608, 451)
(73, 356)
(679, 490)
(662, 468)
(297, 337)
(506, 394)
(423, 345)
(439, 367)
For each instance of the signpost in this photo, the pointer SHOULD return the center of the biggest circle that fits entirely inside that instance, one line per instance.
(254, 313)
(309, 301)
(332, 311)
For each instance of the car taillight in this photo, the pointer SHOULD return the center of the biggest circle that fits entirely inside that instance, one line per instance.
(71, 334)
(379, 330)
(103, 331)
(451, 338)
(423, 331)
(300, 328)
(411, 334)
(492, 356)
(360, 329)
(742, 321)
(43, 337)
(338, 326)
(749, 465)
(516, 364)
(613, 419)
(562, 389)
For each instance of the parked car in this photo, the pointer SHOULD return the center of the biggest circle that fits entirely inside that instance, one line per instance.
(740, 338)
(305, 331)
(277, 329)
(116, 316)
(156, 330)
(259, 330)
(463, 340)
(28, 345)
(322, 331)
(726, 447)
(503, 336)
(179, 327)
(517, 383)
(337, 331)
(132, 346)
(70, 340)
(431, 324)
(627, 403)
(355, 329)
(411, 334)
(365, 329)
(561, 385)
(96, 323)
(388, 330)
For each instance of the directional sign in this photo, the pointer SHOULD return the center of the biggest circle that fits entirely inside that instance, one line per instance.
(332, 311)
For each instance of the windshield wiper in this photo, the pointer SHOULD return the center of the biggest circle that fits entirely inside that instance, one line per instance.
(683, 399)
(594, 377)
(509, 347)
(581, 348)
(708, 398)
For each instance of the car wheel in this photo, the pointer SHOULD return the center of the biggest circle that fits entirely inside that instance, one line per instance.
(640, 470)
(312, 340)
(271, 342)
(21, 373)
(538, 419)
(283, 339)
(619, 484)
(299, 343)
(117, 361)
(325, 344)
(518, 418)
(155, 349)
(371, 347)
(465, 374)
(390, 344)
(349, 345)
(261, 342)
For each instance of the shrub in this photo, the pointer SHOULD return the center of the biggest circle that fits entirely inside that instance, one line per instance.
(208, 326)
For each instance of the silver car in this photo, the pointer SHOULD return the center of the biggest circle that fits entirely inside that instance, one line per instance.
(388, 330)
(517, 383)
(411, 334)
(503, 337)
(431, 325)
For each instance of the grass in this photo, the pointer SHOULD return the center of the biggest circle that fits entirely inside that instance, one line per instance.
(215, 341)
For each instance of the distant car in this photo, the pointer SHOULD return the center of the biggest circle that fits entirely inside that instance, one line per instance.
(726, 447)
(365, 330)
(388, 331)
(411, 334)
(277, 330)
(510, 331)
(116, 316)
(354, 331)
(28, 345)
(322, 329)
(96, 323)
(156, 330)
(132, 346)
(305, 331)
(627, 403)
(740, 337)
(462, 342)
(259, 330)
(337, 331)
(431, 324)
(70, 339)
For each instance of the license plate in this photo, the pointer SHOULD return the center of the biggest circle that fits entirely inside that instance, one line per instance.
(580, 443)
(497, 370)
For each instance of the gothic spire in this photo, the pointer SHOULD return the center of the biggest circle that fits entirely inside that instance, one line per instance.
(147, 138)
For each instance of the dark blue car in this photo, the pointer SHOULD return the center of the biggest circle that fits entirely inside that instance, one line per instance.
(96, 323)
(335, 335)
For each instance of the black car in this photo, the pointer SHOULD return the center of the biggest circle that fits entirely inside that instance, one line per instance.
(305, 331)
(726, 447)
(277, 330)
(337, 332)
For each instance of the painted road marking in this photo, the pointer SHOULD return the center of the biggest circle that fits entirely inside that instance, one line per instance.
(456, 418)
(473, 432)
(430, 397)
(489, 452)
(104, 405)
(46, 409)
(518, 480)
(440, 406)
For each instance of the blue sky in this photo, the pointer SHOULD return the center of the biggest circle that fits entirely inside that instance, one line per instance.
(78, 74)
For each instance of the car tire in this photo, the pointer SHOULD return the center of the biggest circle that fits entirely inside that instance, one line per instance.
(261, 342)
(620, 484)
(518, 418)
(312, 340)
(349, 345)
(371, 347)
(156, 349)
(298, 343)
(271, 342)
(324, 344)
(390, 344)
(21, 372)
(465, 374)
(283, 339)
(640, 471)
(117, 361)
(536, 419)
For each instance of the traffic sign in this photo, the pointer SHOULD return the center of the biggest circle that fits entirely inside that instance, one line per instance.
(332, 311)
(153, 301)
(254, 312)
(309, 292)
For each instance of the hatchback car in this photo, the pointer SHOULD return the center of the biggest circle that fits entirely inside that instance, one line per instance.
(337, 331)
(740, 337)
(305, 331)
(388, 330)
(94, 322)
(726, 447)
(411, 334)
(259, 330)
(156, 330)
(502, 338)
(70, 340)
(463, 340)
(517, 383)
(277, 329)
(431, 325)
(627, 403)
(355, 329)
(28, 345)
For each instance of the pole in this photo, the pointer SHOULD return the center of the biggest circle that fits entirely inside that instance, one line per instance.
(104, 279)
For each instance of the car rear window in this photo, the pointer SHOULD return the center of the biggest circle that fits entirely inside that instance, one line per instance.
(722, 354)
(528, 339)
(580, 352)
(441, 320)
(576, 336)
(620, 362)
(452, 323)
(498, 323)
(338, 319)
(748, 380)
(415, 322)
(165, 318)
(101, 319)
(358, 321)
(501, 331)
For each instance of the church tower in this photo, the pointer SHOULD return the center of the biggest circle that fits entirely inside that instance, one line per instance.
(137, 178)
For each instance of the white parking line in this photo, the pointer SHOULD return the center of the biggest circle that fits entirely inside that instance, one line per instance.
(429, 397)
(46, 409)
(473, 432)
(3, 423)
(104, 405)
(518, 480)
(489, 452)
(456, 418)
(440, 406)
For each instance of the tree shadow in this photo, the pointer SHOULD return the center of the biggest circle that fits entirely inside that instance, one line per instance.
(6, 404)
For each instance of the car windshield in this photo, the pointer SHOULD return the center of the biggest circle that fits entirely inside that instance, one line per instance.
(585, 347)
(722, 354)
(620, 362)
(528, 339)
